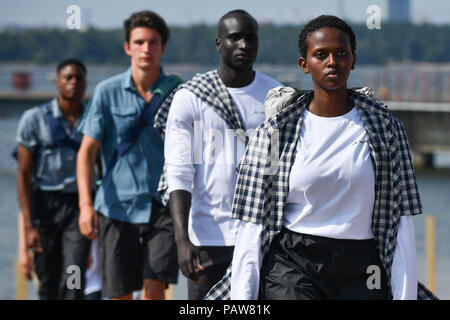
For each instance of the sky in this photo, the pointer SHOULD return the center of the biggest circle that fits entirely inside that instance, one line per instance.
(106, 14)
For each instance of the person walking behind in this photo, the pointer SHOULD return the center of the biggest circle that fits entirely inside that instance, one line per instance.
(48, 141)
(214, 110)
(126, 121)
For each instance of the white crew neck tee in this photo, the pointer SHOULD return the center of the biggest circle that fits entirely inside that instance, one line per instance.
(194, 132)
(331, 184)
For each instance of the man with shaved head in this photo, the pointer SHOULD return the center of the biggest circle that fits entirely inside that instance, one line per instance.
(209, 122)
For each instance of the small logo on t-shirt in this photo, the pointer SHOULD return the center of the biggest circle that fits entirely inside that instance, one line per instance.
(360, 141)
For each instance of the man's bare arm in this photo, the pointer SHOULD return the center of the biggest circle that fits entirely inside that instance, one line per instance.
(188, 259)
(86, 160)
(24, 191)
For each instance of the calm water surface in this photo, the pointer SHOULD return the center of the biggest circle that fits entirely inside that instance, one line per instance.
(434, 186)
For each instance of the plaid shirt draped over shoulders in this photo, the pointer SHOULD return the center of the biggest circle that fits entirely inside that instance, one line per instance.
(263, 177)
(160, 126)
(211, 90)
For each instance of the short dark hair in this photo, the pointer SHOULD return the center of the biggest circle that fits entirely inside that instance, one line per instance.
(70, 61)
(232, 13)
(147, 19)
(324, 21)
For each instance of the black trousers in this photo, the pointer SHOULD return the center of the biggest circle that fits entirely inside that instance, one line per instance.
(307, 267)
(55, 215)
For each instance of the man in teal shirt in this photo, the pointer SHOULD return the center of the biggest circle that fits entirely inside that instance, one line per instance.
(135, 233)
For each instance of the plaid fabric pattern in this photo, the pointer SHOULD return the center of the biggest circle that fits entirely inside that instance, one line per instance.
(163, 112)
(211, 90)
(262, 185)
(160, 125)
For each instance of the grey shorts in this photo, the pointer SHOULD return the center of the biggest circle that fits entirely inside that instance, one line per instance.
(130, 253)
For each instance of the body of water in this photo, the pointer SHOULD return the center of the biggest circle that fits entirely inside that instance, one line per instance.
(434, 184)
(395, 82)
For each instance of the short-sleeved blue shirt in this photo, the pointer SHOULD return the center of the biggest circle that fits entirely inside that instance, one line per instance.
(54, 168)
(126, 191)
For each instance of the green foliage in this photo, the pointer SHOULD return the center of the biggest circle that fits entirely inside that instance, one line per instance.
(196, 44)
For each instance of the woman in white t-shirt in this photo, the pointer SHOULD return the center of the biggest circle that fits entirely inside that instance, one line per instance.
(326, 190)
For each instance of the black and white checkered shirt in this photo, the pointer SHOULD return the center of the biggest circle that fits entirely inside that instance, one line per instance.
(262, 184)
(211, 90)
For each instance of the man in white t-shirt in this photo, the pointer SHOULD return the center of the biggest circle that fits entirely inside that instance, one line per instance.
(209, 121)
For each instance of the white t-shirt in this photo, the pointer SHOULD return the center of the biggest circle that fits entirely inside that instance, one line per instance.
(201, 153)
(247, 259)
(331, 194)
(331, 184)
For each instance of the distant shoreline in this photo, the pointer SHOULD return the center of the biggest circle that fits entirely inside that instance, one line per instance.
(404, 64)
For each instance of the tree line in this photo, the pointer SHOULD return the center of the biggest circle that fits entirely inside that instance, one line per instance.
(195, 44)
